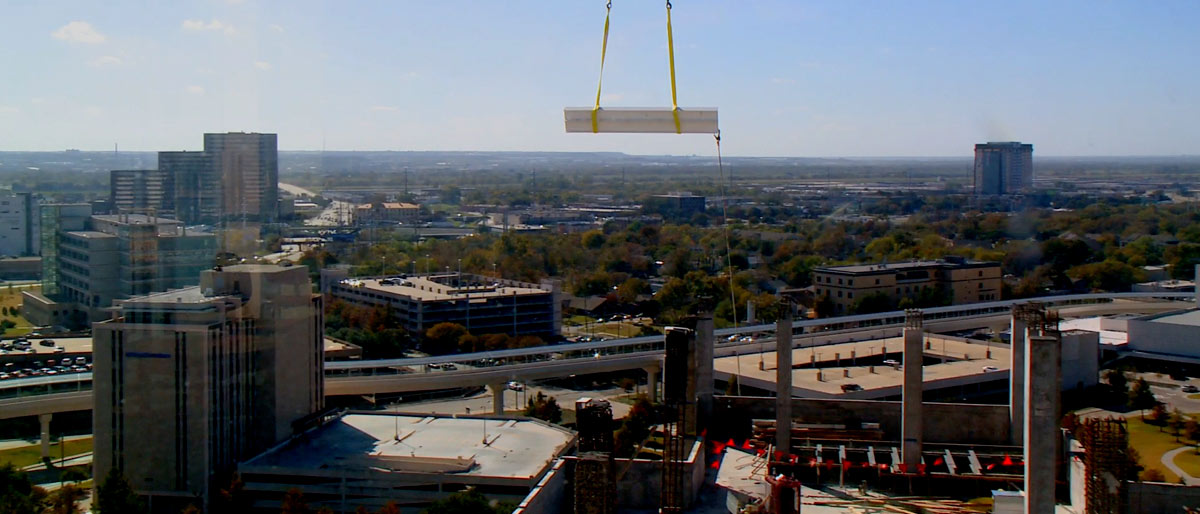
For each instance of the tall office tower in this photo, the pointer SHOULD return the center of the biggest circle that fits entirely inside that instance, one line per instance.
(190, 382)
(196, 186)
(248, 167)
(142, 190)
(19, 225)
(1003, 168)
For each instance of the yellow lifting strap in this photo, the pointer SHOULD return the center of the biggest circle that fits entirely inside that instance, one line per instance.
(600, 83)
(671, 60)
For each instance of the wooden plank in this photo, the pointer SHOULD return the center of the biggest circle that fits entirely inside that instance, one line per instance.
(647, 120)
(976, 468)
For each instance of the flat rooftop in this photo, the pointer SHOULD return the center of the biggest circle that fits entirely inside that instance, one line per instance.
(964, 363)
(1189, 317)
(901, 266)
(518, 449)
(442, 287)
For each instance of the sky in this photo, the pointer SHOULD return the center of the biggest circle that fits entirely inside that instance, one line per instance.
(790, 78)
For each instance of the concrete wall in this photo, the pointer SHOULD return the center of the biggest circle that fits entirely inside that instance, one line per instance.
(1080, 359)
(1160, 498)
(550, 494)
(943, 422)
(1150, 336)
(641, 486)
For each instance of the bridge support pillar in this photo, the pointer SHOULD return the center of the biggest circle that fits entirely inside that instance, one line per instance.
(652, 382)
(45, 420)
(498, 397)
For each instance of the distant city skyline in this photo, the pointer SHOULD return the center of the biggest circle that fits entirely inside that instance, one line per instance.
(820, 79)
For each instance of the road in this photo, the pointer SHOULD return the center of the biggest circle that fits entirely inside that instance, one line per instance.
(336, 214)
(514, 400)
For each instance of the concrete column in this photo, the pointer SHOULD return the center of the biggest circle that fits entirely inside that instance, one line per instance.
(498, 397)
(783, 382)
(1041, 433)
(45, 420)
(914, 388)
(652, 382)
(1016, 373)
(704, 371)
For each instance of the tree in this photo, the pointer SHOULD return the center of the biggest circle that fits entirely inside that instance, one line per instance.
(293, 502)
(467, 502)
(1176, 421)
(872, 303)
(1152, 475)
(1159, 416)
(18, 495)
(233, 499)
(64, 500)
(1141, 397)
(442, 338)
(544, 408)
(389, 508)
(1191, 430)
(115, 495)
(1118, 384)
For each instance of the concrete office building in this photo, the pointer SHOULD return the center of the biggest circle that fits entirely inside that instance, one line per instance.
(196, 186)
(190, 382)
(961, 280)
(248, 167)
(112, 257)
(1003, 168)
(19, 225)
(142, 191)
(484, 305)
(680, 204)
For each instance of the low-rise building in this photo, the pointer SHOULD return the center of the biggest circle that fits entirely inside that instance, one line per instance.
(958, 280)
(386, 212)
(484, 305)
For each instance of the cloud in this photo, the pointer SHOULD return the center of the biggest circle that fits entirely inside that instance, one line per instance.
(275, 28)
(214, 25)
(79, 32)
(383, 108)
(105, 61)
(195, 90)
(262, 65)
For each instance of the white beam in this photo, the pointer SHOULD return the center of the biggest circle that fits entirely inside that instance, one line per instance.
(700, 120)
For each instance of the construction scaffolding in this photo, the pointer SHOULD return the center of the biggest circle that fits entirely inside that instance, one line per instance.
(595, 473)
(1107, 465)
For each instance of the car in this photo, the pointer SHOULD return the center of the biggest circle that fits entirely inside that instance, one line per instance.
(1189, 388)
(849, 388)
(891, 362)
(732, 338)
(48, 371)
(4, 375)
(50, 363)
(449, 367)
(989, 369)
(46, 342)
(78, 369)
(81, 360)
(433, 365)
(516, 386)
(31, 350)
(59, 349)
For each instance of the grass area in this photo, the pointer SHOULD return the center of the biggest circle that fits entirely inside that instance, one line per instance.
(11, 297)
(1194, 396)
(32, 454)
(1151, 444)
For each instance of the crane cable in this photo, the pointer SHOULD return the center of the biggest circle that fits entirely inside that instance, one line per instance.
(725, 223)
(671, 62)
(600, 82)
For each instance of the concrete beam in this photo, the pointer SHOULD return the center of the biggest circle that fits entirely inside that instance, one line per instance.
(1018, 330)
(498, 397)
(705, 344)
(44, 419)
(914, 387)
(783, 383)
(1043, 366)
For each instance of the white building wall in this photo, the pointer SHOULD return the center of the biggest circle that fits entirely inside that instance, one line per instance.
(1170, 338)
(18, 225)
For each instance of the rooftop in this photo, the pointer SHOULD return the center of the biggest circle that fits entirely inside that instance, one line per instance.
(1183, 317)
(964, 363)
(443, 287)
(137, 219)
(418, 443)
(901, 266)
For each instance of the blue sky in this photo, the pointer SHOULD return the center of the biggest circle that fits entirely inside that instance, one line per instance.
(791, 78)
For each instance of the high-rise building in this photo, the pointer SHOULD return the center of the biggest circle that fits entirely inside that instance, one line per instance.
(196, 186)
(19, 225)
(112, 257)
(190, 382)
(248, 167)
(142, 191)
(1003, 168)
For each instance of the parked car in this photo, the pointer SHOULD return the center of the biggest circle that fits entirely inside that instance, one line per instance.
(989, 369)
(849, 388)
(46, 342)
(516, 386)
(1190, 389)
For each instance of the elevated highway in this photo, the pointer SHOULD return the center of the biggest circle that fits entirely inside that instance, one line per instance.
(25, 397)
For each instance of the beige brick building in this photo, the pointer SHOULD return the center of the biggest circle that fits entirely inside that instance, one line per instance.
(961, 280)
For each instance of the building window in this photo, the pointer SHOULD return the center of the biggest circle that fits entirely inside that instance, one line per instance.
(876, 281)
(850, 282)
(981, 273)
(839, 281)
(839, 294)
(850, 294)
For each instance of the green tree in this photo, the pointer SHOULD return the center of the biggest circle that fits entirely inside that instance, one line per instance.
(116, 496)
(872, 303)
(1141, 397)
(1159, 416)
(469, 501)
(1191, 430)
(233, 499)
(18, 495)
(544, 408)
(1176, 422)
(1118, 384)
